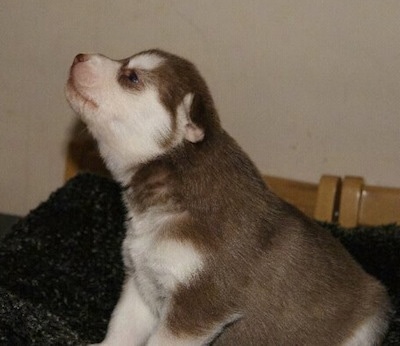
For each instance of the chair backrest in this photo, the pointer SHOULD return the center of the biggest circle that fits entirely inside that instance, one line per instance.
(364, 205)
(319, 201)
(83, 156)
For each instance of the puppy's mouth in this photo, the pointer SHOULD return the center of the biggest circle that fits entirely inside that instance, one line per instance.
(76, 94)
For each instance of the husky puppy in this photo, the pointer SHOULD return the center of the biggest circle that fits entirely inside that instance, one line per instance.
(211, 255)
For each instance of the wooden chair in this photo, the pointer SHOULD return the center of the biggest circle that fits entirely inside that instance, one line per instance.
(83, 156)
(364, 205)
(319, 201)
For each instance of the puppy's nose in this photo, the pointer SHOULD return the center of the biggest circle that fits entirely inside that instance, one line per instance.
(81, 58)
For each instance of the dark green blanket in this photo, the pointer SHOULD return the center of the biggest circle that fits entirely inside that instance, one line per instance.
(61, 270)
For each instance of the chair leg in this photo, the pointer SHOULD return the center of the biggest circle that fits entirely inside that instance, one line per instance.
(327, 198)
(71, 166)
(350, 201)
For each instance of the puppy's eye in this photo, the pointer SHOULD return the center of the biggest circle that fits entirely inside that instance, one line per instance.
(133, 77)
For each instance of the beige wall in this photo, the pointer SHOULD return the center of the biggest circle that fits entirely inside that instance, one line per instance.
(306, 86)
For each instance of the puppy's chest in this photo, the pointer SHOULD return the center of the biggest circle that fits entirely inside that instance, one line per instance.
(158, 262)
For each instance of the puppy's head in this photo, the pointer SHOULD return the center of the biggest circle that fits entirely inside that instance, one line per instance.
(140, 107)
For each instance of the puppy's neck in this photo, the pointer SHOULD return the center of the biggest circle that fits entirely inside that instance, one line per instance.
(195, 177)
(164, 179)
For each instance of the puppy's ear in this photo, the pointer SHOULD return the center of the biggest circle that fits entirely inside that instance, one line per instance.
(192, 107)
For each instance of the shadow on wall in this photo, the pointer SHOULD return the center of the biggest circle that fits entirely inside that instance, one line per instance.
(82, 154)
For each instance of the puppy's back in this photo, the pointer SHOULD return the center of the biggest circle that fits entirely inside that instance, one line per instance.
(290, 281)
(309, 291)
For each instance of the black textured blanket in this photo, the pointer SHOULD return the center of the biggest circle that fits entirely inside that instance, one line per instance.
(61, 270)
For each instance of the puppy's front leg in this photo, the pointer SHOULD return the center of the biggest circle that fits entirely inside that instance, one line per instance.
(132, 321)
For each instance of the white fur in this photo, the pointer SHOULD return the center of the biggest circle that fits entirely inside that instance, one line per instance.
(135, 132)
(145, 61)
(159, 265)
(129, 125)
(169, 261)
(369, 333)
(132, 321)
